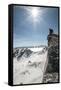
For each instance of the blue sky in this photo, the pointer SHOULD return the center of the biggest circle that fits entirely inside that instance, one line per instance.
(33, 31)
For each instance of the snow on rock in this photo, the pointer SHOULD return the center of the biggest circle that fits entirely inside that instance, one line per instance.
(28, 70)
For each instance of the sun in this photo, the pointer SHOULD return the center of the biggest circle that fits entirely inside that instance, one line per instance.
(34, 12)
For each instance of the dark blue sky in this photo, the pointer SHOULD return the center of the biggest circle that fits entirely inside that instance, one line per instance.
(30, 31)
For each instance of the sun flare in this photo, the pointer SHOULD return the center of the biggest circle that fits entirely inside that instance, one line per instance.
(34, 12)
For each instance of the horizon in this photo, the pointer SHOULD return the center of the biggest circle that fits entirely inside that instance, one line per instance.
(32, 46)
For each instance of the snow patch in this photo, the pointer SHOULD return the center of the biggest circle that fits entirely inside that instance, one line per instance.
(29, 70)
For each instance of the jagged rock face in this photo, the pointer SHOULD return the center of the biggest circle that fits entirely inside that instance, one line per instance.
(52, 40)
(50, 77)
(53, 53)
(15, 52)
(26, 53)
(52, 71)
(53, 63)
(22, 52)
